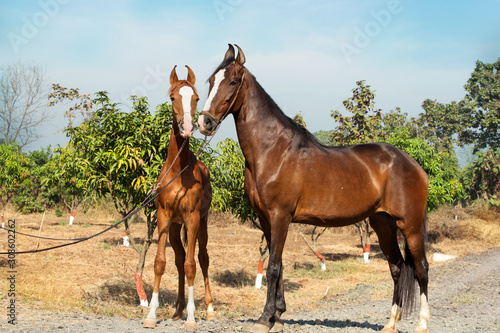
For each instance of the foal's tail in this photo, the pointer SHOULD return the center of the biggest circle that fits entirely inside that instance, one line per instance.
(406, 285)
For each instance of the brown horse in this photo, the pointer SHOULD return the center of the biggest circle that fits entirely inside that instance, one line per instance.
(291, 178)
(185, 201)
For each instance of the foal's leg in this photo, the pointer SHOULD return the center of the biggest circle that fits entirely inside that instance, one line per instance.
(386, 230)
(192, 225)
(180, 257)
(204, 263)
(159, 267)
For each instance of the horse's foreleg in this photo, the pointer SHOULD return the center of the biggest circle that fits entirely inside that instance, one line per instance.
(190, 266)
(275, 303)
(278, 324)
(204, 260)
(159, 268)
(180, 257)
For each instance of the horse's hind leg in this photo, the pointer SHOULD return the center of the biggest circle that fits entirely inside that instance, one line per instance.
(203, 258)
(180, 257)
(159, 268)
(386, 230)
(415, 248)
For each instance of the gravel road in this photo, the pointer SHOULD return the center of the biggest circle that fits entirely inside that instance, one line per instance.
(464, 296)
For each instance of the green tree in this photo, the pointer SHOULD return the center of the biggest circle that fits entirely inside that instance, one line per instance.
(440, 123)
(482, 178)
(227, 169)
(441, 168)
(364, 124)
(68, 177)
(14, 172)
(481, 111)
(32, 196)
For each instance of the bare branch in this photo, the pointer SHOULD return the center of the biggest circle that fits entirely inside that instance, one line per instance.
(22, 110)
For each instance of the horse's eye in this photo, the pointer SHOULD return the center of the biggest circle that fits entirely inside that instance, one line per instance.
(232, 83)
(172, 99)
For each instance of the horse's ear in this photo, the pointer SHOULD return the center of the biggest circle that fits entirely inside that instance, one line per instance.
(191, 77)
(173, 76)
(240, 59)
(229, 53)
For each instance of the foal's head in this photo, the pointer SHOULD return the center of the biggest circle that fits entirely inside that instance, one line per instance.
(184, 100)
(225, 84)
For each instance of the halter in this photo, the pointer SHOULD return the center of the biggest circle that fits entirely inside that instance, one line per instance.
(217, 120)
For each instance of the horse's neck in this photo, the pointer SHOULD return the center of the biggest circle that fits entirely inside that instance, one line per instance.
(259, 122)
(176, 142)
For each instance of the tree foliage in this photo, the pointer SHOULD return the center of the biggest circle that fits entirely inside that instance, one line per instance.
(227, 169)
(481, 114)
(14, 172)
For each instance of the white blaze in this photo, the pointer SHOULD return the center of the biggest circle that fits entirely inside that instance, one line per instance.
(218, 79)
(186, 93)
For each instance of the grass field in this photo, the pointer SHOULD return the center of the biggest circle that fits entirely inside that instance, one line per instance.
(97, 276)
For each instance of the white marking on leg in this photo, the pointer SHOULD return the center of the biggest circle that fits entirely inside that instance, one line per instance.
(395, 317)
(210, 308)
(190, 305)
(425, 313)
(218, 79)
(187, 93)
(258, 280)
(153, 307)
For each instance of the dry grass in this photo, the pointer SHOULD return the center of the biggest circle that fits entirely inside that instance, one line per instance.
(97, 276)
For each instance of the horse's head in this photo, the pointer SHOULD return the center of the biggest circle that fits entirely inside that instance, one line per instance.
(225, 84)
(184, 100)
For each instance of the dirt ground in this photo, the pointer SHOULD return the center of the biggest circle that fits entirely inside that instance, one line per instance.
(97, 276)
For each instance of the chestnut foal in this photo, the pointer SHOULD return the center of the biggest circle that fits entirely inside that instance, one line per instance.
(185, 201)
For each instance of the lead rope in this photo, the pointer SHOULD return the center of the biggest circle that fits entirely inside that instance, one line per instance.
(145, 202)
(148, 198)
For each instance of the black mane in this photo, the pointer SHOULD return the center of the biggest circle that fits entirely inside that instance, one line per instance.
(297, 127)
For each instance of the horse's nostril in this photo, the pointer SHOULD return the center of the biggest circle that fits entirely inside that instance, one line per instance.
(208, 123)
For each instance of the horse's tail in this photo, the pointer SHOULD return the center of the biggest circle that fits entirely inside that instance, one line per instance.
(184, 235)
(407, 280)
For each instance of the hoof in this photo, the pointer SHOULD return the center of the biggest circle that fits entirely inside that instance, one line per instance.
(211, 316)
(277, 327)
(389, 330)
(177, 317)
(260, 328)
(421, 330)
(189, 325)
(149, 323)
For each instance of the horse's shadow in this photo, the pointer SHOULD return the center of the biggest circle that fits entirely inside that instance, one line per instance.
(329, 323)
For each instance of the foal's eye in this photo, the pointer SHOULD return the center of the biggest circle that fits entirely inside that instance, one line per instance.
(172, 99)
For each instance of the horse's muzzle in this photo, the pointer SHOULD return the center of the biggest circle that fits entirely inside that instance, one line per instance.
(207, 124)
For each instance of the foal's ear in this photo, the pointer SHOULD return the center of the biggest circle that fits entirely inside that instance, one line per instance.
(173, 76)
(240, 59)
(229, 53)
(191, 77)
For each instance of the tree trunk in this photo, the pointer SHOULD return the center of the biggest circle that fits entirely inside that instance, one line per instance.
(151, 223)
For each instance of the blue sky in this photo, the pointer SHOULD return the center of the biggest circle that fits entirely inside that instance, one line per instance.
(308, 55)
